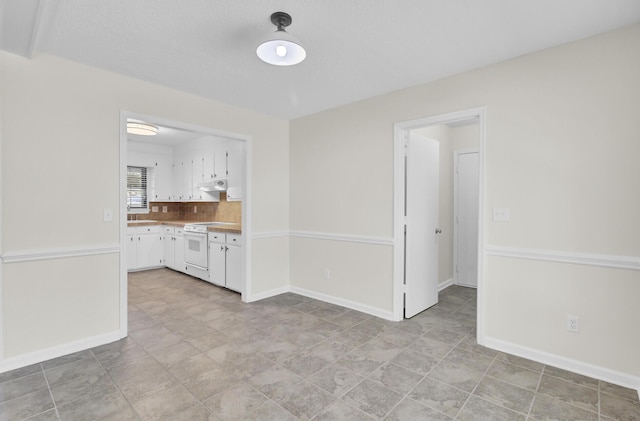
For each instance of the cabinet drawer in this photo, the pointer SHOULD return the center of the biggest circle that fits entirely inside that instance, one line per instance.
(150, 229)
(179, 232)
(234, 238)
(217, 237)
(168, 230)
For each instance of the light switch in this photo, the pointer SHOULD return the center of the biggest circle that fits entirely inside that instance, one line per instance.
(108, 215)
(500, 214)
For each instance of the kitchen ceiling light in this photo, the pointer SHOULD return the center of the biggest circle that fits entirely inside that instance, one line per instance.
(281, 48)
(142, 129)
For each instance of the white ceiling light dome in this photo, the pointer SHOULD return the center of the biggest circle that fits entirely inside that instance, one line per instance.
(142, 129)
(281, 48)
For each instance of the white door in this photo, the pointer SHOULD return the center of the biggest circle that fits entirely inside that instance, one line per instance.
(466, 191)
(421, 238)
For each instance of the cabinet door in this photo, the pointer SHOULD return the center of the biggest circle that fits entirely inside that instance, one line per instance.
(197, 174)
(187, 180)
(234, 277)
(217, 253)
(179, 253)
(176, 175)
(220, 161)
(149, 250)
(168, 250)
(208, 164)
(162, 180)
(131, 246)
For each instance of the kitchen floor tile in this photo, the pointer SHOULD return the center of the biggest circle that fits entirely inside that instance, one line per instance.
(439, 396)
(196, 352)
(373, 398)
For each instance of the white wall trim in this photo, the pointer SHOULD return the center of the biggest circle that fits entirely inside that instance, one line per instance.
(387, 315)
(58, 351)
(381, 241)
(270, 234)
(58, 253)
(445, 284)
(267, 294)
(383, 314)
(597, 372)
(602, 260)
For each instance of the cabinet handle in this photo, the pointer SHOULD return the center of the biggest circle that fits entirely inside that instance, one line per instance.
(221, 248)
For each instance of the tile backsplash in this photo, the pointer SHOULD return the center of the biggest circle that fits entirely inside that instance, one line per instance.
(222, 211)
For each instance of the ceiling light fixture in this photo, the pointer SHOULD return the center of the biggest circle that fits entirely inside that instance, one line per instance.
(142, 129)
(281, 48)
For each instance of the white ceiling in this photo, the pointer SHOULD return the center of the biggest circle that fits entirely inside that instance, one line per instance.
(356, 49)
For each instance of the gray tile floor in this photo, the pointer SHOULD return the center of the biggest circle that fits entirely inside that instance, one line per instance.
(196, 352)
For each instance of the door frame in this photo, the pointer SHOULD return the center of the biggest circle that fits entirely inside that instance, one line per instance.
(400, 132)
(122, 211)
(456, 179)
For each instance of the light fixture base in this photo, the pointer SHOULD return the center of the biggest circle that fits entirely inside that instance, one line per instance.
(281, 20)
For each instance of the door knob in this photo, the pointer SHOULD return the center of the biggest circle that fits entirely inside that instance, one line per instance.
(438, 231)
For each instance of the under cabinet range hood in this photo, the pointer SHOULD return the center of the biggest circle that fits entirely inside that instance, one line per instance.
(213, 184)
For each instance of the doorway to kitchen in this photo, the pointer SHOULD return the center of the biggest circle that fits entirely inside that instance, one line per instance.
(171, 173)
(468, 129)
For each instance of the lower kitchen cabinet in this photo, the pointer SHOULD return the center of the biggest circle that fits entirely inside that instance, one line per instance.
(173, 248)
(225, 260)
(144, 247)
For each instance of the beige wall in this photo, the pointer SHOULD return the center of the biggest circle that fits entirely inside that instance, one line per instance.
(561, 152)
(60, 136)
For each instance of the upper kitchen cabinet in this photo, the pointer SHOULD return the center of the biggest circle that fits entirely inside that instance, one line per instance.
(162, 179)
(235, 160)
(158, 161)
(176, 169)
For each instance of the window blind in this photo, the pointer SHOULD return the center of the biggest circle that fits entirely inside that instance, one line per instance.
(136, 188)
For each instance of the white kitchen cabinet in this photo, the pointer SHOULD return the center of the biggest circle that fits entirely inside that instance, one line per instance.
(187, 180)
(162, 180)
(173, 248)
(176, 184)
(179, 252)
(220, 161)
(144, 247)
(168, 246)
(132, 250)
(225, 260)
(197, 173)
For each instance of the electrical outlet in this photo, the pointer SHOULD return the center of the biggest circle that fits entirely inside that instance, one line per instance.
(327, 274)
(195, 209)
(165, 209)
(573, 324)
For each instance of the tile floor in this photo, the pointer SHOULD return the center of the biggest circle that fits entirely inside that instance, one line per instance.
(195, 352)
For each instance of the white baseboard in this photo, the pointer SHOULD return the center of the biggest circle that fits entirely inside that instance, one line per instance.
(444, 284)
(58, 351)
(383, 314)
(267, 294)
(590, 370)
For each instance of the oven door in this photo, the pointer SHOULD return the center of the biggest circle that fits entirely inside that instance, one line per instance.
(195, 250)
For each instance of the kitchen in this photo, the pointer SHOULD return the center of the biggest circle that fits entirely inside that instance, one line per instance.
(184, 202)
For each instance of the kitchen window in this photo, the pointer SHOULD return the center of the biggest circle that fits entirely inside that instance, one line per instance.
(137, 188)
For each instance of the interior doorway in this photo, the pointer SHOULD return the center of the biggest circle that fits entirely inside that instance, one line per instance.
(463, 123)
(151, 152)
